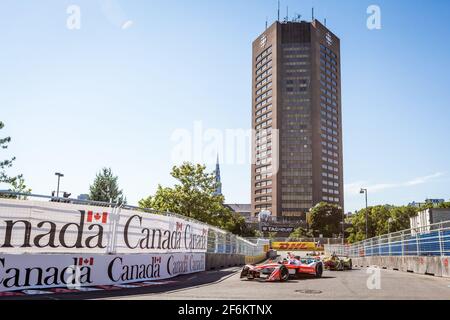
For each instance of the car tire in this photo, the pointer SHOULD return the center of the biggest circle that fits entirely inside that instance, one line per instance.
(319, 270)
(245, 272)
(284, 274)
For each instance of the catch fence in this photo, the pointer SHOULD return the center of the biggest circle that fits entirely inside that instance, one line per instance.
(431, 241)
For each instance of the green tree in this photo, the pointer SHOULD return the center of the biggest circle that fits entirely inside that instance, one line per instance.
(325, 219)
(106, 188)
(194, 196)
(375, 216)
(272, 235)
(380, 220)
(258, 234)
(4, 164)
(444, 205)
(301, 233)
(400, 219)
(18, 185)
(236, 224)
(426, 206)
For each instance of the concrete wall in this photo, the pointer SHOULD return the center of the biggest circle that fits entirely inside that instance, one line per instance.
(256, 259)
(217, 261)
(272, 254)
(435, 266)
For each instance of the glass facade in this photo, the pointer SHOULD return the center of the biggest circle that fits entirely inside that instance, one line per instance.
(295, 133)
(264, 121)
(329, 118)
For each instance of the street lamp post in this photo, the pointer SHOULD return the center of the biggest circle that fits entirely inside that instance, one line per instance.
(59, 175)
(389, 225)
(364, 191)
(343, 226)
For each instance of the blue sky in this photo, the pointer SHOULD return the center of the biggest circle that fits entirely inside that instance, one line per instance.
(114, 92)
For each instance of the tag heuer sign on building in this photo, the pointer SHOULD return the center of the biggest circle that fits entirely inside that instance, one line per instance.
(277, 229)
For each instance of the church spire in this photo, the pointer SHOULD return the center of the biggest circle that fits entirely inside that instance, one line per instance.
(218, 179)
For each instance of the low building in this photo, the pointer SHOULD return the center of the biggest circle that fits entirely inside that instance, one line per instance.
(434, 202)
(423, 221)
(83, 197)
(244, 210)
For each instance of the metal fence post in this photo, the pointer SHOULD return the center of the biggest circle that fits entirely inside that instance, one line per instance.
(114, 218)
(389, 239)
(418, 244)
(379, 246)
(110, 246)
(402, 238)
(441, 249)
(367, 247)
(216, 242)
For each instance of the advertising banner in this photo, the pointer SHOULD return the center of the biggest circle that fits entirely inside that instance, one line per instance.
(143, 232)
(39, 227)
(277, 229)
(297, 246)
(22, 272)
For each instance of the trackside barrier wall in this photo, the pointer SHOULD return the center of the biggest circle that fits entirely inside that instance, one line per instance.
(215, 261)
(435, 266)
(256, 259)
(423, 250)
(62, 242)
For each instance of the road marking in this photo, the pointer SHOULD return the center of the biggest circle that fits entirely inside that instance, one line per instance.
(309, 291)
(88, 289)
(127, 286)
(35, 292)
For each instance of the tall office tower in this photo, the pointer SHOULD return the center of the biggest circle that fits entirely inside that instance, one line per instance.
(297, 146)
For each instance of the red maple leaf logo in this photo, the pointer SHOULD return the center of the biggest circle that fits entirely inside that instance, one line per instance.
(85, 262)
(97, 217)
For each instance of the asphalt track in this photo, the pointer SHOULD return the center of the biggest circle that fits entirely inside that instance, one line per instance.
(226, 285)
(350, 285)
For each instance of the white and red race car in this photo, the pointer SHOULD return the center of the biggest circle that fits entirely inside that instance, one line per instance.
(283, 270)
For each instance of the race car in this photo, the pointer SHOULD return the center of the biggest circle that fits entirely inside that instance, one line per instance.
(335, 263)
(283, 270)
(314, 255)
